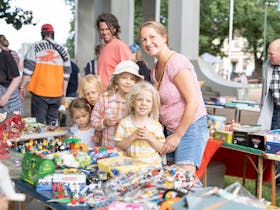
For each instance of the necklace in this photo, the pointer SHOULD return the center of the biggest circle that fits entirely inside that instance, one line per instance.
(163, 69)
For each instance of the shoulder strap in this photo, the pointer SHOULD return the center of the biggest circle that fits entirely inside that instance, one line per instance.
(64, 58)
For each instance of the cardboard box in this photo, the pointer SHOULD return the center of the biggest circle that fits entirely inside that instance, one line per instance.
(257, 141)
(122, 164)
(240, 138)
(225, 136)
(273, 147)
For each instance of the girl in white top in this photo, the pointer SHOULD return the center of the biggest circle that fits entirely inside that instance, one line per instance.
(80, 111)
(140, 134)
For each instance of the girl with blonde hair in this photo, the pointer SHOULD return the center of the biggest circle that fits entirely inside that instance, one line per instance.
(90, 87)
(140, 134)
(110, 107)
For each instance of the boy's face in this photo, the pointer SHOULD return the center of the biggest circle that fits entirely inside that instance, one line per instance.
(91, 94)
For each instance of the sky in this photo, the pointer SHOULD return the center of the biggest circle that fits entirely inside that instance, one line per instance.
(54, 12)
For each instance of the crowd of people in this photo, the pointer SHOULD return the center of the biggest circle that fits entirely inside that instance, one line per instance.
(152, 115)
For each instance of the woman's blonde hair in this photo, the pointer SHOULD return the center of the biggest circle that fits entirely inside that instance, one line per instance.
(157, 26)
(138, 88)
(86, 80)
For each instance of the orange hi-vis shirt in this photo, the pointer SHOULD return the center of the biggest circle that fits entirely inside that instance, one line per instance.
(47, 68)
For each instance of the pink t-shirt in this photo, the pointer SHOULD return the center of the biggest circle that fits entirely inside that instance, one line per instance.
(110, 55)
(172, 102)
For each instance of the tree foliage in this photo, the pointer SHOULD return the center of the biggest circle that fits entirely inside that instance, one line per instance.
(248, 22)
(14, 15)
(70, 42)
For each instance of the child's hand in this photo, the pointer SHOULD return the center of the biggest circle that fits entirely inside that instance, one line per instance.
(144, 134)
(108, 122)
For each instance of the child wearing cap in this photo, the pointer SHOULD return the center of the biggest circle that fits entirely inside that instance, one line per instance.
(110, 106)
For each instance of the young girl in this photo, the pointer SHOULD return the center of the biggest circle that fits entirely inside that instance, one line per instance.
(90, 87)
(80, 112)
(140, 134)
(110, 106)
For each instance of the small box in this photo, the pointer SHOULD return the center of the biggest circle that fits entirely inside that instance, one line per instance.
(240, 138)
(257, 141)
(225, 136)
(273, 147)
(122, 164)
(35, 168)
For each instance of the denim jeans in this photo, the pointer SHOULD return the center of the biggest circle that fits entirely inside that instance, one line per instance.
(191, 147)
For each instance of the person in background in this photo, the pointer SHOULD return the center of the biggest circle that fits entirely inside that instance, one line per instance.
(137, 57)
(80, 111)
(90, 87)
(269, 116)
(9, 81)
(47, 68)
(182, 109)
(113, 51)
(140, 134)
(72, 88)
(91, 67)
(110, 106)
(5, 46)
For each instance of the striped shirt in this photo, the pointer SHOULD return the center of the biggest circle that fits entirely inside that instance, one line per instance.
(275, 85)
(107, 106)
(141, 149)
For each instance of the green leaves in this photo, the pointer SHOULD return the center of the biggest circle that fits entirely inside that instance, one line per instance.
(15, 16)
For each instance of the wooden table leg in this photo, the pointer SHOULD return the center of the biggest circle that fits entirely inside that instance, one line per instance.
(244, 171)
(21, 205)
(12, 205)
(260, 177)
(273, 182)
(204, 178)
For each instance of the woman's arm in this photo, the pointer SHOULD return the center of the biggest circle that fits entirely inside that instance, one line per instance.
(12, 87)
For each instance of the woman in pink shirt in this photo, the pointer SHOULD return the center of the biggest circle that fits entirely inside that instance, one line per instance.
(182, 109)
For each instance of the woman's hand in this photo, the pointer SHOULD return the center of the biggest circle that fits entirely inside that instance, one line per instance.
(4, 100)
(171, 143)
(22, 93)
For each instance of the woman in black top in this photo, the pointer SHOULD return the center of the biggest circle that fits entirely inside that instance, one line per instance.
(9, 82)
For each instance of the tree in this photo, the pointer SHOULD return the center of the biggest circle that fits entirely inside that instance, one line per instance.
(15, 16)
(71, 39)
(248, 22)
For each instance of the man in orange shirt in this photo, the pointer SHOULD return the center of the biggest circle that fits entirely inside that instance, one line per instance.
(113, 51)
(47, 67)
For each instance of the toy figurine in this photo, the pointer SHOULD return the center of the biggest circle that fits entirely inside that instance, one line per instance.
(6, 185)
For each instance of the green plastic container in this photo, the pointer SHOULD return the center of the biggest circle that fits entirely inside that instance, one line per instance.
(35, 168)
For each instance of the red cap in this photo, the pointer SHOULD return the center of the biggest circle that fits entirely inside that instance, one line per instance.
(47, 28)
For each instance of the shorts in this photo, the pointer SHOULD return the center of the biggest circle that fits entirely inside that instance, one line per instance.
(191, 147)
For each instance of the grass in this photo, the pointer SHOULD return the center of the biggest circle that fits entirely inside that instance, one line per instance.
(250, 186)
